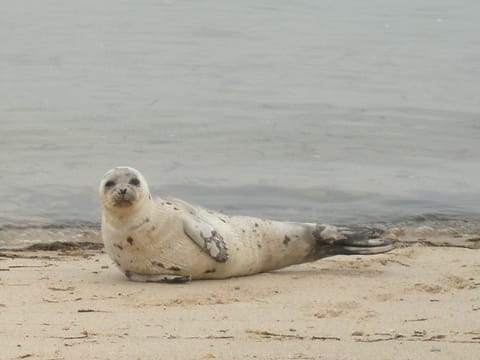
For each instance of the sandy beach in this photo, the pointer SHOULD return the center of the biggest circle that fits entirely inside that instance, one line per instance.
(329, 112)
(415, 302)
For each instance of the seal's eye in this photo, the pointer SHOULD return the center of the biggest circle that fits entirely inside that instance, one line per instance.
(134, 182)
(109, 183)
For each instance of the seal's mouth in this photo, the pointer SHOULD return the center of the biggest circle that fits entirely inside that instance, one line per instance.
(123, 203)
(123, 199)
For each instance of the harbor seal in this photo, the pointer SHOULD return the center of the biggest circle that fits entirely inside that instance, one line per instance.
(170, 240)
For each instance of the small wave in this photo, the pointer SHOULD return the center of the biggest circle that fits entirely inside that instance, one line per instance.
(20, 236)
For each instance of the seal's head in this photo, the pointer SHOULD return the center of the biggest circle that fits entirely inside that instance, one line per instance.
(123, 188)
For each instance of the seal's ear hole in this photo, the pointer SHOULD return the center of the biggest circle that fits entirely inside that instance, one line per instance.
(109, 183)
(134, 182)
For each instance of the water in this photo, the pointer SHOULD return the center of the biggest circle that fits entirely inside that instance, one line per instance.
(330, 111)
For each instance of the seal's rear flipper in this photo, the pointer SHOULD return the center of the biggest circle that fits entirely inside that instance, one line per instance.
(365, 247)
(333, 240)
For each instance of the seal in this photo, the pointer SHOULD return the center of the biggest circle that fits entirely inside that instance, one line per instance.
(170, 240)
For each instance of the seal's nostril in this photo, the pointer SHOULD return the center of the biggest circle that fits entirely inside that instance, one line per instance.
(123, 191)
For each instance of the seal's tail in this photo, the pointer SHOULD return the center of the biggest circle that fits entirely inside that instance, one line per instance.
(333, 240)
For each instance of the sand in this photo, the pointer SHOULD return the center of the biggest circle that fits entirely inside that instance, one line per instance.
(414, 302)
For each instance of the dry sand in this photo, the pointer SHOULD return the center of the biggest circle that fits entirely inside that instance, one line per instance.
(415, 302)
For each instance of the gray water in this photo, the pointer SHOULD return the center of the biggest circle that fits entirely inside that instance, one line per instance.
(330, 111)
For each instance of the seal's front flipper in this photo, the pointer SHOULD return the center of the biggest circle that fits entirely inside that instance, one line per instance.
(333, 240)
(205, 236)
(175, 279)
(168, 279)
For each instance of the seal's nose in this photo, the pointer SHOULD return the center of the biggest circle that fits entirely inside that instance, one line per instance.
(122, 191)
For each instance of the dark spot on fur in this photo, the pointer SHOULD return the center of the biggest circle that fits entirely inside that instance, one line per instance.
(130, 240)
(256, 225)
(254, 230)
(286, 240)
(243, 230)
(296, 236)
(153, 228)
(175, 208)
(128, 274)
(116, 263)
(222, 220)
(210, 271)
(238, 249)
(147, 220)
(150, 197)
(174, 268)
(259, 245)
(168, 203)
(159, 264)
(118, 246)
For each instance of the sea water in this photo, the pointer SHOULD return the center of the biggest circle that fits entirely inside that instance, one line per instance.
(338, 111)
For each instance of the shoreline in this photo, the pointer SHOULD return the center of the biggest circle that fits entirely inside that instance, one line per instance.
(435, 230)
(414, 301)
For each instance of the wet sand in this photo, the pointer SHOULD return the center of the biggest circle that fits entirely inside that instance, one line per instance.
(415, 302)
